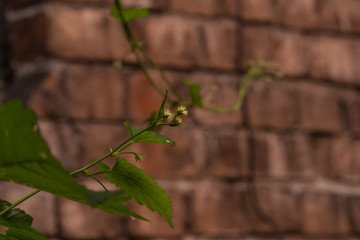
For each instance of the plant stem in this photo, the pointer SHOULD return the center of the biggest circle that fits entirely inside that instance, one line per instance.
(121, 147)
(18, 202)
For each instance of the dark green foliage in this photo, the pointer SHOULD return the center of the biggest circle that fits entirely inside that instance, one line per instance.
(139, 186)
(18, 224)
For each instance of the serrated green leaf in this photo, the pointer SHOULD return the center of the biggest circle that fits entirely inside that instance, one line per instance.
(148, 136)
(130, 14)
(26, 159)
(194, 89)
(25, 234)
(139, 186)
(18, 224)
(6, 237)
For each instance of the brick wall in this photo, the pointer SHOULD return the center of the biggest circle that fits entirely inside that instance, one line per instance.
(292, 152)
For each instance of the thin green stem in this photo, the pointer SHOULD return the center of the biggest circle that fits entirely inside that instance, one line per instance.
(98, 181)
(135, 47)
(18, 202)
(119, 148)
(161, 71)
(147, 74)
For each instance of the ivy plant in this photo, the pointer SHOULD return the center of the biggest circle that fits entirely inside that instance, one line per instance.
(25, 157)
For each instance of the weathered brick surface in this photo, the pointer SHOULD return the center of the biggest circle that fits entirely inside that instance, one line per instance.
(29, 35)
(280, 156)
(272, 105)
(288, 49)
(341, 15)
(354, 210)
(228, 153)
(219, 210)
(78, 92)
(335, 59)
(258, 10)
(93, 35)
(353, 111)
(324, 214)
(279, 203)
(297, 138)
(313, 15)
(301, 14)
(179, 42)
(338, 158)
(200, 7)
(319, 109)
(317, 56)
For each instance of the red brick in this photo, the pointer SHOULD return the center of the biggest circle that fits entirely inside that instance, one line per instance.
(300, 14)
(219, 210)
(338, 158)
(187, 43)
(80, 221)
(144, 99)
(202, 7)
(29, 37)
(287, 49)
(342, 15)
(272, 105)
(95, 92)
(93, 34)
(225, 96)
(354, 210)
(41, 206)
(353, 112)
(80, 92)
(158, 227)
(184, 160)
(97, 140)
(324, 214)
(228, 153)
(22, 3)
(279, 203)
(64, 143)
(319, 109)
(279, 156)
(335, 59)
(348, 163)
(258, 10)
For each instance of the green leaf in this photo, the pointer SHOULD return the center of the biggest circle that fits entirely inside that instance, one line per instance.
(18, 224)
(6, 237)
(26, 159)
(139, 186)
(148, 136)
(130, 14)
(194, 88)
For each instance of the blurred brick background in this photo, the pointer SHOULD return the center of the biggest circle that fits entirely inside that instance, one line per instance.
(292, 152)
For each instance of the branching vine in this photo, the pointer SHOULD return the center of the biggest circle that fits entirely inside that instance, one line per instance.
(26, 159)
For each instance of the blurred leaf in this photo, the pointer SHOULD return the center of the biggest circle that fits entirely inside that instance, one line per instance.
(18, 224)
(139, 186)
(194, 89)
(130, 14)
(26, 159)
